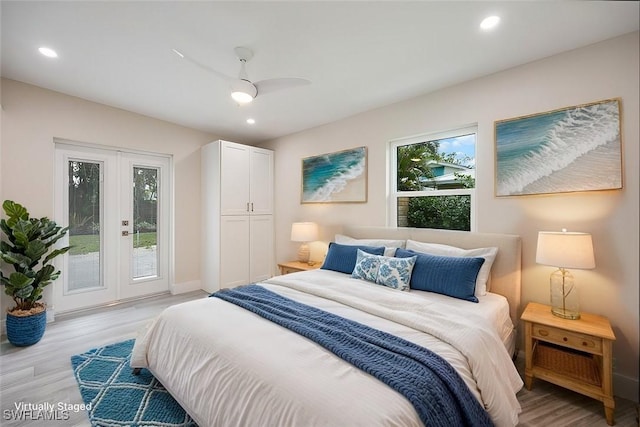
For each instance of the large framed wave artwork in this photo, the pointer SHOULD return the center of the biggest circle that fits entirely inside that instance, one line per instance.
(566, 150)
(338, 177)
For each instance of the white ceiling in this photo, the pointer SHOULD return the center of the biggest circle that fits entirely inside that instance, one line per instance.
(360, 55)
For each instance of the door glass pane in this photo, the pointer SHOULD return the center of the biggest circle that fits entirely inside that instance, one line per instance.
(145, 220)
(84, 225)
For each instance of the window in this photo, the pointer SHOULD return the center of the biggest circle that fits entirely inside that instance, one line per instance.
(432, 180)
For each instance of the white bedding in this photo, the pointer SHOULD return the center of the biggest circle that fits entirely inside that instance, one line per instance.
(228, 367)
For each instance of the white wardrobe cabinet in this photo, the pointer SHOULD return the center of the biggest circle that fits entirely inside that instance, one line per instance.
(237, 215)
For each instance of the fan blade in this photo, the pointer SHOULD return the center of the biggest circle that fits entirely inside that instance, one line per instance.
(203, 66)
(272, 85)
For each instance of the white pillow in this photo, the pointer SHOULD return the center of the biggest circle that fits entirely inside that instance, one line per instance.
(390, 246)
(489, 255)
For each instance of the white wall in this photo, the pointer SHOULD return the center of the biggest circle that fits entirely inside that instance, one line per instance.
(606, 70)
(33, 116)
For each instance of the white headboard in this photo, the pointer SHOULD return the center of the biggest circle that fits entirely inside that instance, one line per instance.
(505, 273)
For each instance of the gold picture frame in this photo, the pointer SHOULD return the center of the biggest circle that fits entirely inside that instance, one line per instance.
(338, 177)
(570, 149)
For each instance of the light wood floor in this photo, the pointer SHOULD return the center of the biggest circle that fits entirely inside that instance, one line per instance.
(42, 372)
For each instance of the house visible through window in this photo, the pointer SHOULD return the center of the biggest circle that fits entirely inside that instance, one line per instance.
(433, 180)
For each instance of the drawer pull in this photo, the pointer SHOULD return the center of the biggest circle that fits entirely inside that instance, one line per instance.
(565, 339)
(585, 343)
(544, 333)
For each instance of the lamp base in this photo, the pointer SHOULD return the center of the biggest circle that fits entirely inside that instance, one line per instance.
(564, 295)
(564, 313)
(303, 253)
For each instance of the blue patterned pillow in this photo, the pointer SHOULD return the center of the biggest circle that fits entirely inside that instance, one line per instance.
(343, 258)
(452, 276)
(396, 272)
(367, 266)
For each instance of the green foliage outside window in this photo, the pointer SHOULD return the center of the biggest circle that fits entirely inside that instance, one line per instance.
(413, 164)
(443, 212)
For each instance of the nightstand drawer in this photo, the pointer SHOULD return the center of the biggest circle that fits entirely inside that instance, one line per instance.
(288, 270)
(568, 339)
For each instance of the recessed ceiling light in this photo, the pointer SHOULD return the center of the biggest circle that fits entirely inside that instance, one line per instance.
(251, 121)
(489, 22)
(49, 53)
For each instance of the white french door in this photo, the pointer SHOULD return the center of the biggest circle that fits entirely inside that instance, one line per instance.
(117, 206)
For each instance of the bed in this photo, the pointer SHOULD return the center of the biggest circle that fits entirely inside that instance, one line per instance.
(227, 366)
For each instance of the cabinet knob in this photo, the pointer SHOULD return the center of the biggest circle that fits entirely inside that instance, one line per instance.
(565, 339)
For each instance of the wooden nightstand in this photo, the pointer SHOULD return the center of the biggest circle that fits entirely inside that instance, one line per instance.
(575, 354)
(293, 266)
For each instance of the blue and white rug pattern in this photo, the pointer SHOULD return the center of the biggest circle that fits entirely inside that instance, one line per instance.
(117, 397)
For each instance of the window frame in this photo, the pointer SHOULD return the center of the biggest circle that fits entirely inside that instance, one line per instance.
(392, 173)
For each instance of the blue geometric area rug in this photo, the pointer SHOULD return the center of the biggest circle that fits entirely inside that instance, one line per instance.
(117, 397)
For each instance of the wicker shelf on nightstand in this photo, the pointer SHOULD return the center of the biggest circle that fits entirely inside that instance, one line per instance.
(575, 354)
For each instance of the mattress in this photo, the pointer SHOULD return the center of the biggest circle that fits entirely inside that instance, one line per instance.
(228, 367)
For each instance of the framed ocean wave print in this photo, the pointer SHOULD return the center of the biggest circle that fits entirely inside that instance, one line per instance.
(338, 177)
(566, 150)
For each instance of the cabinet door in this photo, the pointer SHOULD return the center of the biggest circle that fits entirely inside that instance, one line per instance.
(262, 259)
(261, 188)
(234, 251)
(234, 179)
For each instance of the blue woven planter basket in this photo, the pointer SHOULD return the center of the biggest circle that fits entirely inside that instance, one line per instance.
(27, 330)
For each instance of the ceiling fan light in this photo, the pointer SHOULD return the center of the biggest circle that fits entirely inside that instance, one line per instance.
(241, 97)
(243, 91)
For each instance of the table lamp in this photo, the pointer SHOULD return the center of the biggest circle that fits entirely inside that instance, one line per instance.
(565, 250)
(304, 232)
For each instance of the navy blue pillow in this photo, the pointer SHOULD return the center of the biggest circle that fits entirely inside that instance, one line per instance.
(342, 258)
(452, 276)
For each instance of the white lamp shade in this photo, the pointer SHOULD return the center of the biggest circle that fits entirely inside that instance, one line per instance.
(565, 250)
(304, 232)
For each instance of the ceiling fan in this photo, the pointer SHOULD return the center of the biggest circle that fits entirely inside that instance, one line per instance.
(244, 90)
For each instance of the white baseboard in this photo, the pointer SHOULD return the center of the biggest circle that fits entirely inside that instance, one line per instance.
(626, 387)
(184, 287)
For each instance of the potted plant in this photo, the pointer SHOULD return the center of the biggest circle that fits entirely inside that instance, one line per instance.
(28, 241)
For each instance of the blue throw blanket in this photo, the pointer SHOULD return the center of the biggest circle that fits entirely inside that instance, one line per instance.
(433, 387)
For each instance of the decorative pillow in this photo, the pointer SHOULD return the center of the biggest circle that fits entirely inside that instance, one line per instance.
(489, 255)
(396, 272)
(452, 276)
(367, 266)
(389, 245)
(342, 258)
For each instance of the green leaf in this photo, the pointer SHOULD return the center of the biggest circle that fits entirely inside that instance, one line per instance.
(19, 280)
(6, 247)
(24, 293)
(45, 273)
(14, 211)
(35, 250)
(14, 258)
(21, 239)
(59, 234)
(55, 253)
(5, 227)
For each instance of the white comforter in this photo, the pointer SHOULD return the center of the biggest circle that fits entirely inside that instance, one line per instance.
(229, 367)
